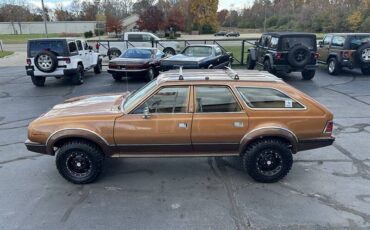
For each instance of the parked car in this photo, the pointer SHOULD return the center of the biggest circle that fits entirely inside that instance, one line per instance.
(350, 50)
(233, 34)
(250, 114)
(285, 52)
(220, 33)
(115, 48)
(141, 62)
(60, 57)
(197, 57)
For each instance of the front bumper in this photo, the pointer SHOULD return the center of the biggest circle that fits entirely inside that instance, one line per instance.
(314, 143)
(35, 147)
(288, 68)
(30, 70)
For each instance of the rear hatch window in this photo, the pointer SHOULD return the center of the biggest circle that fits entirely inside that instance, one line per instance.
(56, 46)
(288, 42)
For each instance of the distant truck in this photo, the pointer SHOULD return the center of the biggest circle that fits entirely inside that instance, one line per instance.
(136, 39)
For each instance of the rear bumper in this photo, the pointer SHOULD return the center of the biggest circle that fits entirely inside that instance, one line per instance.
(112, 71)
(35, 147)
(288, 68)
(314, 143)
(30, 70)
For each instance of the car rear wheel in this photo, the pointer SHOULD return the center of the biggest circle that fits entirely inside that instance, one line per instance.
(267, 66)
(365, 71)
(38, 81)
(308, 74)
(150, 74)
(250, 63)
(117, 77)
(267, 160)
(98, 67)
(333, 66)
(78, 78)
(114, 53)
(169, 51)
(79, 162)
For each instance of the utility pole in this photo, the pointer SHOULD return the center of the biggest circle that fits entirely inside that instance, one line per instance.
(44, 16)
(264, 21)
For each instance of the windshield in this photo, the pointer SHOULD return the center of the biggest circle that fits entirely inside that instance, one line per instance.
(138, 95)
(198, 51)
(137, 53)
(289, 42)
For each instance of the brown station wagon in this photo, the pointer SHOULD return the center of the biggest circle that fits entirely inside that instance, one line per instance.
(249, 114)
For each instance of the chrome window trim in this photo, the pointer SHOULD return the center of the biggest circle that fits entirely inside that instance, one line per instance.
(273, 109)
(87, 130)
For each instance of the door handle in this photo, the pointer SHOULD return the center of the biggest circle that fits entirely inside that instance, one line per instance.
(183, 125)
(238, 124)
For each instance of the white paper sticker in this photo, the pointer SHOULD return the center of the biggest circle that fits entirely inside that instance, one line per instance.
(288, 103)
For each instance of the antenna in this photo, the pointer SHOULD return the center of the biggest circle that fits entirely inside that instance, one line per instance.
(181, 77)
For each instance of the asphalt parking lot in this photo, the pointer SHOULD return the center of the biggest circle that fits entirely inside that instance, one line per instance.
(327, 188)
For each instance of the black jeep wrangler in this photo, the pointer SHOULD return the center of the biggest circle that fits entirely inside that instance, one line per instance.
(285, 52)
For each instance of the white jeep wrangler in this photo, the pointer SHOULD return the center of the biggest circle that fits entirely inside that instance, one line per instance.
(57, 57)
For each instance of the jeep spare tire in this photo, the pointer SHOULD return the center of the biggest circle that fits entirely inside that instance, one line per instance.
(299, 56)
(46, 61)
(363, 53)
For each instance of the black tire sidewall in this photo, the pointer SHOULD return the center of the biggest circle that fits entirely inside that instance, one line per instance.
(359, 52)
(93, 154)
(114, 50)
(98, 67)
(291, 56)
(77, 79)
(250, 63)
(169, 50)
(336, 66)
(38, 81)
(250, 157)
(150, 75)
(54, 61)
(308, 74)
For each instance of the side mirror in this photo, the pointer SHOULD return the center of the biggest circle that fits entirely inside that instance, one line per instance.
(146, 113)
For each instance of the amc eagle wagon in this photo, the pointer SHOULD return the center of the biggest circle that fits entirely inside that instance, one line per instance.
(250, 114)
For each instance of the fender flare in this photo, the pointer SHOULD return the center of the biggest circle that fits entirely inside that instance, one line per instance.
(269, 56)
(76, 133)
(333, 55)
(263, 132)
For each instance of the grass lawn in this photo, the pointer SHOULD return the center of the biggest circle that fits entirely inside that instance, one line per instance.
(237, 53)
(5, 53)
(22, 38)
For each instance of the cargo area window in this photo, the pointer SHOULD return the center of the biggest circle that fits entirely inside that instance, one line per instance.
(166, 100)
(215, 99)
(338, 41)
(267, 98)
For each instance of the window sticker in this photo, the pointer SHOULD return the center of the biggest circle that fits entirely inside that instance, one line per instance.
(288, 103)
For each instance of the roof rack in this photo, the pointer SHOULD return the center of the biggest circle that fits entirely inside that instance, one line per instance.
(234, 75)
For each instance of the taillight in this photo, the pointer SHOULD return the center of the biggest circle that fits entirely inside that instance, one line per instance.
(278, 56)
(67, 60)
(346, 54)
(112, 66)
(28, 61)
(317, 55)
(329, 127)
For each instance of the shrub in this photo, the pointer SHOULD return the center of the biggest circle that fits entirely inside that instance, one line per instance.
(207, 29)
(88, 34)
(365, 26)
(99, 32)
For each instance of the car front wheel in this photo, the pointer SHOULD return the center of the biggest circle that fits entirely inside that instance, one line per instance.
(267, 67)
(98, 67)
(150, 74)
(79, 162)
(333, 66)
(267, 160)
(250, 63)
(78, 78)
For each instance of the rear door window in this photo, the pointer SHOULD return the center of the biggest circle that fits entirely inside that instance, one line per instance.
(267, 98)
(72, 47)
(57, 46)
(274, 42)
(215, 99)
(289, 42)
(79, 45)
(358, 40)
(327, 40)
(338, 41)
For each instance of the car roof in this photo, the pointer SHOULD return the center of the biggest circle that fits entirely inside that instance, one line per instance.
(142, 48)
(281, 34)
(350, 34)
(205, 45)
(64, 38)
(226, 75)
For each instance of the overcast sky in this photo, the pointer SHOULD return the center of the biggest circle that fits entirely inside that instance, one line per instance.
(223, 4)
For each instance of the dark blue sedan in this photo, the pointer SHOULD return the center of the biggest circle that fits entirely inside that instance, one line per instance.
(198, 57)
